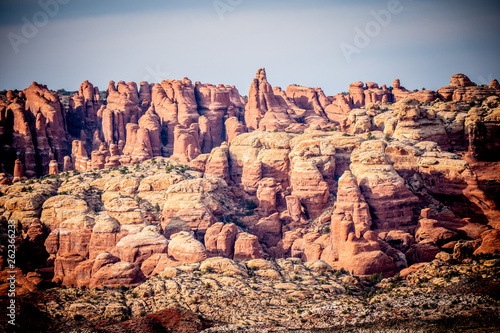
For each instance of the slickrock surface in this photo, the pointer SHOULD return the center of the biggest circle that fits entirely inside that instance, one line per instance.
(286, 294)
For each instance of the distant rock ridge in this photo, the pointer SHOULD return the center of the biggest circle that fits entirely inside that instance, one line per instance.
(180, 119)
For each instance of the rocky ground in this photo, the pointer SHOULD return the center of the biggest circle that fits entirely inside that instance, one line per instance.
(288, 295)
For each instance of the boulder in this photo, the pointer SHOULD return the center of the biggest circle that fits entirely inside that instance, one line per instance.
(138, 247)
(117, 275)
(183, 247)
(490, 243)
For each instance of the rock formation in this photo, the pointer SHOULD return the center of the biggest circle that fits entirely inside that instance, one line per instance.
(174, 178)
(385, 191)
(461, 88)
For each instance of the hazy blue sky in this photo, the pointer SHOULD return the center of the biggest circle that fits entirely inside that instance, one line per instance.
(422, 42)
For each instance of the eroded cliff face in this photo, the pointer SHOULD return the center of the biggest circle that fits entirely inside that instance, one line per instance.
(182, 120)
(269, 195)
(174, 173)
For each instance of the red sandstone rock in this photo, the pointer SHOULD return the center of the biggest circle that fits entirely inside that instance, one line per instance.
(186, 143)
(45, 104)
(254, 111)
(205, 136)
(424, 251)
(116, 275)
(490, 243)
(138, 146)
(294, 208)
(233, 128)
(399, 240)
(308, 185)
(432, 230)
(279, 117)
(246, 247)
(399, 92)
(285, 245)
(339, 109)
(105, 235)
(374, 94)
(268, 230)
(145, 95)
(194, 201)
(68, 166)
(217, 164)
(98, 160)
(384, 190)
(462, 89)
(74, 237)
(142, 148)
(219, 240)
(151, 122)
(149, 265)
(226, 240)
(460, 80)
(412, 269)
(354, 246)
(138, 247)
(307, 98)
(102, 260)
(351, 201)
(82, 113)
(261, 100)
(356, 92)
(417, 124)
(107, 125)
(22, 140)
(214, 103)
(183, 247)
(34, 244)
(211, 239)
(266, 194)
(43, 148)
(424, 96)
(79, 155)
(122, 107)
(53, 168)
(18, 171)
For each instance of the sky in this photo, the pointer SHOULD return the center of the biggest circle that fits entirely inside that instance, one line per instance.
(316, 43)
